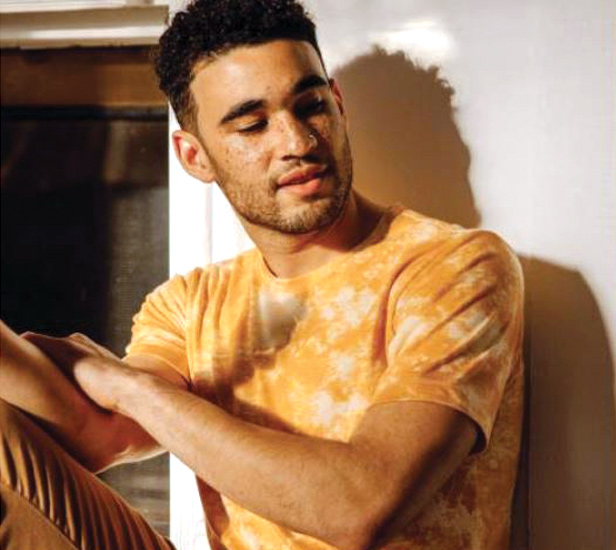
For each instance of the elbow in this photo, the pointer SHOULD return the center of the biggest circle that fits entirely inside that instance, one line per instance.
(354, 536)
(95, 460)
(91, 458)
(96, 464)
(101, 442)
(353, 542)
(126, 441)
(363, 521)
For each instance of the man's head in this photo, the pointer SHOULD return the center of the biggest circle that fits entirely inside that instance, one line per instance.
(209, 28)
(258, 112)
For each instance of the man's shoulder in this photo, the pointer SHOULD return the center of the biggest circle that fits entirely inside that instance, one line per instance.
(208, 277)
(411, 225)
(436, 246)
(413, 228)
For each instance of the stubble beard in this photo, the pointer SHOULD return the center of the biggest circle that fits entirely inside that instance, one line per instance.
(317, 214)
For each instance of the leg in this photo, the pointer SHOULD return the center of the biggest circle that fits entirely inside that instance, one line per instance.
(50, 501)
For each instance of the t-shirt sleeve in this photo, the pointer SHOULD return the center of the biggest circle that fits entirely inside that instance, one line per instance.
(159, 328)
(455, 328)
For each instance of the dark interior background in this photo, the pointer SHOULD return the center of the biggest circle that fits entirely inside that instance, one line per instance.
(84, 209)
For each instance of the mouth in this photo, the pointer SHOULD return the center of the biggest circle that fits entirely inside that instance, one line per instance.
(302, 176)
(303, 181)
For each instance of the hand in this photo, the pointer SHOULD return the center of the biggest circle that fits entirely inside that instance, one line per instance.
(96, 371)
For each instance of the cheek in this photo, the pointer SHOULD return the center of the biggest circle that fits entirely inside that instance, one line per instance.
(241, 155)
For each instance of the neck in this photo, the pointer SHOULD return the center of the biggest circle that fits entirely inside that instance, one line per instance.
(293, 255)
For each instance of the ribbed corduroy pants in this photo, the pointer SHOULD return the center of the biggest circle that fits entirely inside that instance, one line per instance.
(50, 502)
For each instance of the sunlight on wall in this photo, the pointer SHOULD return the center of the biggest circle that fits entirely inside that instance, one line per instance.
(203, 229)
(425, 40)
(189, 246)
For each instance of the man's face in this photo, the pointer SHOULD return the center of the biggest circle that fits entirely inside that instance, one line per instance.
(275, 136)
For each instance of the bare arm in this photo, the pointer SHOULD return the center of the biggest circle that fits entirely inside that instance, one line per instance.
(96, 437)
(341, 493)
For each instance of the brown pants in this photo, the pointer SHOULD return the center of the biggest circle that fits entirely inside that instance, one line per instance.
(50, 502)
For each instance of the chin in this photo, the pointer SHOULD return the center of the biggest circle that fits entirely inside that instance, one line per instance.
(310, 217)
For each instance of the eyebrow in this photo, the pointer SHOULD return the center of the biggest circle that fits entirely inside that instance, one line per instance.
(242, 109)
(311, 81)
(246, 107)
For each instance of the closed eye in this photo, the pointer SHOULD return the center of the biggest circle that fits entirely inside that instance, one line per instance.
(311, 108)
(253, 128)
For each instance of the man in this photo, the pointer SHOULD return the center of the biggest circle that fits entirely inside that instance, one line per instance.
(354, 381)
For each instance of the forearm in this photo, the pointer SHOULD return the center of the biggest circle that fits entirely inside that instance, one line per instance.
(30, 381)
(314, 486)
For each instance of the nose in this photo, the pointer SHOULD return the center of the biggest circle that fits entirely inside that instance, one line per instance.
(296, 138)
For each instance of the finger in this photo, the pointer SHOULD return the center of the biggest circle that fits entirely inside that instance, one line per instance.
(76, 341)
(84, 341)
(92, 345)
(80, 343)
(79, 337)
(60, 350)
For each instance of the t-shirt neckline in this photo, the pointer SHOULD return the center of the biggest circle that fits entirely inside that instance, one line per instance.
(388, 214)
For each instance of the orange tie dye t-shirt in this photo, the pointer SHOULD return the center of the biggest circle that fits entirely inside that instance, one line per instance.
(421, 310)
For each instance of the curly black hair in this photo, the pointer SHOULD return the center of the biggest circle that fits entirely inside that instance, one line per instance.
(206, 28)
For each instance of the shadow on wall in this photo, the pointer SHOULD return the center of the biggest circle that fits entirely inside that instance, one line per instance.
(407, 148)
(572, 423)
(406, 145)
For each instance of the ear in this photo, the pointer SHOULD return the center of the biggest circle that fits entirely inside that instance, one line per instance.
(192, 156)
(337, 96)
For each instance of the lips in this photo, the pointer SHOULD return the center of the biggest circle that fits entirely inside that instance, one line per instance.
(301, 175)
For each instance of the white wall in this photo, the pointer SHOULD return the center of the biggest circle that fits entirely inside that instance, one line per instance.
(535, 110)
(528, 151)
